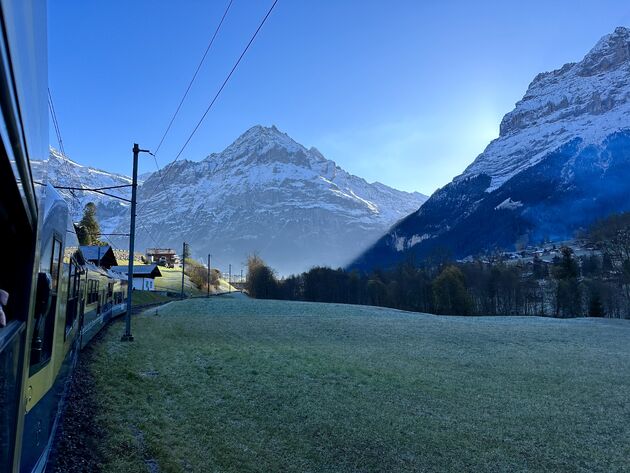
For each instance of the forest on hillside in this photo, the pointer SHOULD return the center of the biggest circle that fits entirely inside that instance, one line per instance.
(594, 285)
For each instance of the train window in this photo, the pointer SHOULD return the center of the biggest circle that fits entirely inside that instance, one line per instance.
(89, 291)
(92, 296)
(41, 345)
(55, 263)
(73, 294)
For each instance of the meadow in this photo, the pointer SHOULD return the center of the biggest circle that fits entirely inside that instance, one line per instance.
(231, 384)
(171, 281)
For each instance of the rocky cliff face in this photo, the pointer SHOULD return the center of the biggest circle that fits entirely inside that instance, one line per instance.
(560, 162)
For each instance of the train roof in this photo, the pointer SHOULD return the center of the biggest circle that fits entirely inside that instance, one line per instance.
(141, 270)
(110, 273)
(103, 254)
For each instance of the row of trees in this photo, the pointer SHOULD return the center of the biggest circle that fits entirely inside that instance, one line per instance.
(595, 285)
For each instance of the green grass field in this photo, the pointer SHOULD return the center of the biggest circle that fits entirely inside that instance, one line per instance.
(238, 385)
(140, 298)
(171, 280)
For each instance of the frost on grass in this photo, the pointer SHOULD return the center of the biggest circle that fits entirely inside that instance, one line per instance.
(249, 385)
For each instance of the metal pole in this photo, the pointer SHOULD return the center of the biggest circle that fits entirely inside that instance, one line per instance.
(208, 274)
(230, 279)
(183, 268)
(127, 337)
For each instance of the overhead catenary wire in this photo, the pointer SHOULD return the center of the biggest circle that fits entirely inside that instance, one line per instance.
(66, 164)
(216, 96)
(168, 168)
(192, 80)
(53, 115)
(181, 102)
(149, 233)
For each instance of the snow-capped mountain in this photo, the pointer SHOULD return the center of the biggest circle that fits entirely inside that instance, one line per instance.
(264, 194)
(61, 171)
(562, 160)
(267, 194)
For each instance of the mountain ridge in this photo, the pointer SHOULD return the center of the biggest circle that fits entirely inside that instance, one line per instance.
(264, 193)
(304, 206)
(563, 139)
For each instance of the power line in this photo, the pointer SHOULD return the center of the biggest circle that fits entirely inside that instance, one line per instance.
(216, 96)
(53, 115)
(192, 80)
(98, 191)
(149, 233)
(216, 31)
(69, 169)
(225, 82)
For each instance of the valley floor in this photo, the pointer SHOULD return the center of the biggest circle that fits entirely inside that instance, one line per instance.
(232, 384)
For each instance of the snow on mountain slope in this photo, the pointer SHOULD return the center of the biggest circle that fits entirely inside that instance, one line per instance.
(61, 171)
(268, 194)
(587, 100)
(265, 194)
(562, 160)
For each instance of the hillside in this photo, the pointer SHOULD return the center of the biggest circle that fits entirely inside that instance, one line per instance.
(562, 161)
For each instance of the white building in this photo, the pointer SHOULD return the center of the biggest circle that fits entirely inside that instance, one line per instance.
(143, 275)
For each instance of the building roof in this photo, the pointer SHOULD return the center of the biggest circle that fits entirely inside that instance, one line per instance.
(140, 270)
(160, 251)
(101, 255)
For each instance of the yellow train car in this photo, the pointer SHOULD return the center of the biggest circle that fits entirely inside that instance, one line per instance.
(51, 302)
(73, 301)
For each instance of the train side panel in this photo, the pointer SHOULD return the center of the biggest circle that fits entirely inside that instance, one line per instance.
(51, 358)
(23, 136)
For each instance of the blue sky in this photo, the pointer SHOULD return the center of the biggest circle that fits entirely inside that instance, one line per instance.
(404, 92)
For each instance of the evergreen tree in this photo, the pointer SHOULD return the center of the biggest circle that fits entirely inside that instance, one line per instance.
(88, 229)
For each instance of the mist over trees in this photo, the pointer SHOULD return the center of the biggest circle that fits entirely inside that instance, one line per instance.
(595, 285)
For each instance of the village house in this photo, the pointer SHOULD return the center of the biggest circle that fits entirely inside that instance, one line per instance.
(143, 275)
(162, 256)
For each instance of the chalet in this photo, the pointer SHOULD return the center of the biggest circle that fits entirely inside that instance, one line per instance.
(143, 275)
(162, 256)
(102, 256)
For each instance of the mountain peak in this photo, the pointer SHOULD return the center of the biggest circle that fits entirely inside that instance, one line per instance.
(262, 131)
(610, 52)
(587, 100)
(559, 163)
(261, 139)
(57, 155)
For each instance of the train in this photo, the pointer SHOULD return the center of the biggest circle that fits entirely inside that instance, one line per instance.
(52, 301)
